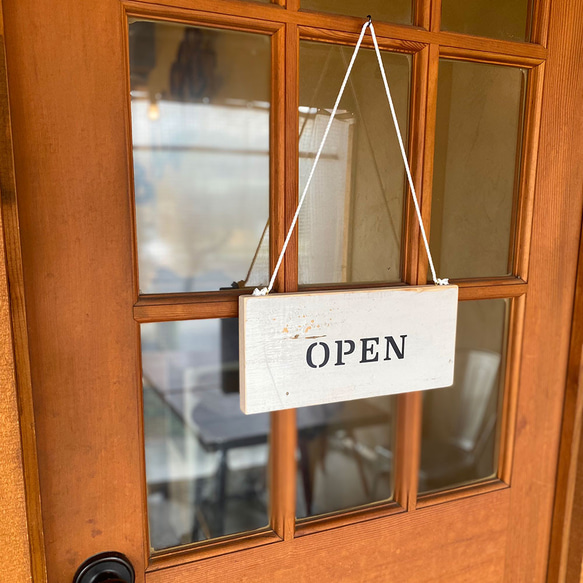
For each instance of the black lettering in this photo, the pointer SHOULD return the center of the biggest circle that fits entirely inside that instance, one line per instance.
(309, 359)
(391, 343)
(340, 353)
(366, 349)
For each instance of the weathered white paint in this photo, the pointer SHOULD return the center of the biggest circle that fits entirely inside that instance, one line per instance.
(280, 335)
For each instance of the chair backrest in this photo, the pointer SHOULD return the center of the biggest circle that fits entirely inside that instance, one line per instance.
(480, 371)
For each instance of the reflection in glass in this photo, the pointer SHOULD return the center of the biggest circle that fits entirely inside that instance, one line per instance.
(396, 11)
(477, 146)
(205, 460)
(459, 442)
(351, 222)
(200, 125)
(345, 456)
(504, 19)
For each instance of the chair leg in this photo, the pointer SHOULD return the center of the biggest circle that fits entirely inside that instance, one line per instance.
(221, 492)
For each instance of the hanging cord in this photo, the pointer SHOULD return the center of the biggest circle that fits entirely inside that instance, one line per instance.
(436, 280)
(266, 290)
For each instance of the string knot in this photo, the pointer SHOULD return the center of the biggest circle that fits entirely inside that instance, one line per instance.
(444, 281)
(260, 292)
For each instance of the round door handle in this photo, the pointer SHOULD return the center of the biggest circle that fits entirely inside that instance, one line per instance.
(110, 567)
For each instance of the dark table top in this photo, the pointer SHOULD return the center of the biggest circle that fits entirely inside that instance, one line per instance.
(220, 424)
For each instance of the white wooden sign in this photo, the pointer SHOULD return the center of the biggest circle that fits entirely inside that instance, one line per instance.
(312, 348)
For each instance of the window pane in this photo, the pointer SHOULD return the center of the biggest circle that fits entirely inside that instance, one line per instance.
(351, 221)
(459, 442)
(477, 146)
(397, 11)
(200, 125)
(504, 19)
(205, 460)
(345, 456)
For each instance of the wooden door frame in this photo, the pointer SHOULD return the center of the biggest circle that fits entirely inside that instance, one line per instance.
(21, 533)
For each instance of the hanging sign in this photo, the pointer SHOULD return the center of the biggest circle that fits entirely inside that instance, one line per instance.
(312, 348)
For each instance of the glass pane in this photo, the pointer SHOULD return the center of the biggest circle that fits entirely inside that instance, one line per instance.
(205, 460)
(345, 456)
(477, 147)
(459, 440)
(200, 125)
(351, 221)
(504, 19)
(397, 11)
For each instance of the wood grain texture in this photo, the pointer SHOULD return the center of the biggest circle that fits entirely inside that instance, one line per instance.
(211, 548)
(68, 85)
(528, 167)
(332, 22)
(566, 554)
(18, 325)
(297, 350)
(456, 542)
(67, 89)
(15, 557)
(466, 491)
(549, 303)
(283, 438)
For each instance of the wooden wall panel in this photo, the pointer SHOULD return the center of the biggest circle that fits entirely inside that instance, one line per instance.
(14, 545)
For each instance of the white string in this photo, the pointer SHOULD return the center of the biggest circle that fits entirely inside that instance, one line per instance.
(436, 280)
(266, 290)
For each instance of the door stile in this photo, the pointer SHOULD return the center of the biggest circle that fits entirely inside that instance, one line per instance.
(553, 259)
(566, 551)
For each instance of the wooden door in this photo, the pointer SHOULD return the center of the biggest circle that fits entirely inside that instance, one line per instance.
(69, 205)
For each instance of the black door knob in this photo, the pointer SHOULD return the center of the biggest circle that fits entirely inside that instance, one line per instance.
(108, 567)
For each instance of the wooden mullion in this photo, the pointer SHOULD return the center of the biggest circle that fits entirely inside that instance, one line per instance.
(528, 164)
(145, 312)
(310, 525)
(428, 161)
(486, 45)
(350, 38)
(229, 20)
(211, 548)
(509, 390)
(422, 13)
(283, 423)
(256, 16)
(489, 57)
(491, 292)
(539, 29)
(409, 405)
(461, 492)
(435, 24)
(418, 119)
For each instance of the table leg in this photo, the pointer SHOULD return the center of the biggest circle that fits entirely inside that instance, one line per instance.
(222, 492)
